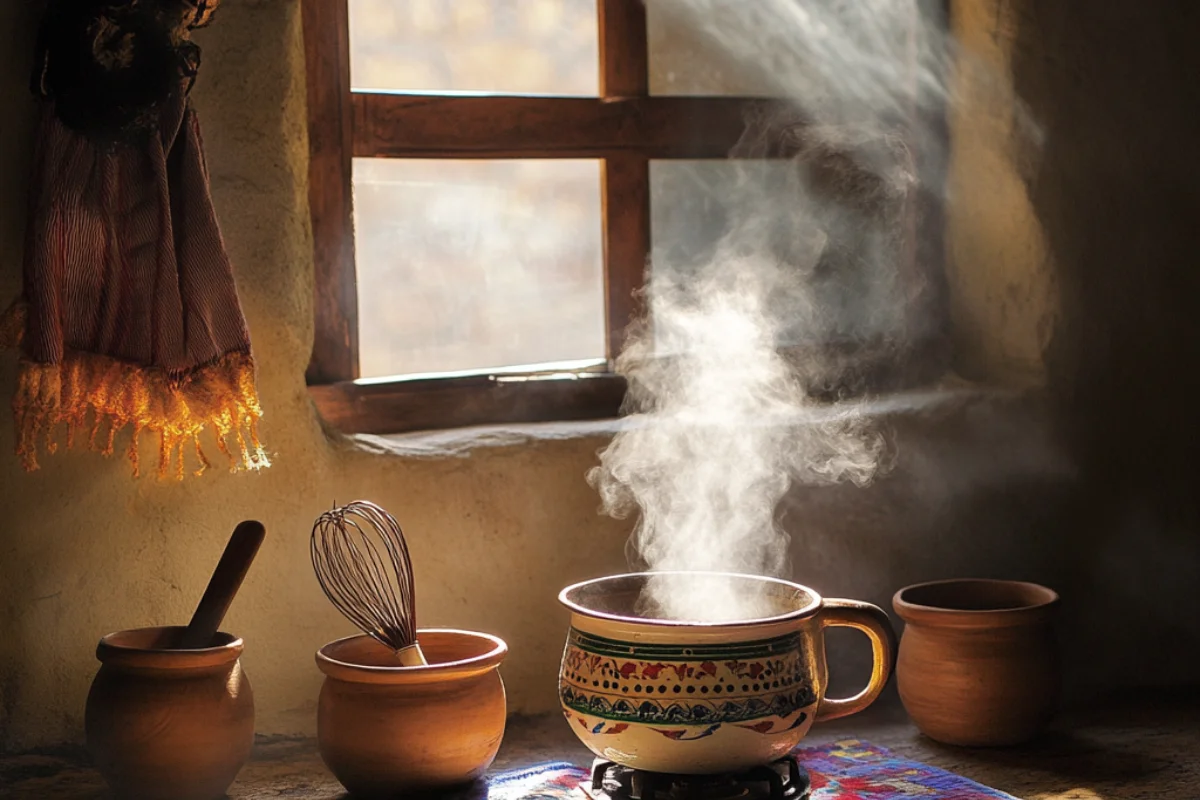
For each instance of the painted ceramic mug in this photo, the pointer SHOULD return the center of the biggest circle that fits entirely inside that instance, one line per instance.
(686, 697)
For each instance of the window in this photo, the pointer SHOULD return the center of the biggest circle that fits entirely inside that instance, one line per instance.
(481, 200)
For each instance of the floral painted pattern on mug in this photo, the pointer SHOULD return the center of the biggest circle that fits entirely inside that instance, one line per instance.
(697, 685)
(602, 728)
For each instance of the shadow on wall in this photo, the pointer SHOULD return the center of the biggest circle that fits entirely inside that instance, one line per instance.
(16, 50)
(978, 488)
(1116, 191)
(16, 54)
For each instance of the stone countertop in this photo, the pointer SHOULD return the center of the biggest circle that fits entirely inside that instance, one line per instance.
(1125, 751)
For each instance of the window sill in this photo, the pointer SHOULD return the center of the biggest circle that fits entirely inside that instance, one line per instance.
(947, 395)
(450, 403)
(846, 369)
(462, 442)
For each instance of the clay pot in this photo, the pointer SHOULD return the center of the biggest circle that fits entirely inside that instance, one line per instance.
(683, 697)
(169, 724)
(978, 661)
(385, 730)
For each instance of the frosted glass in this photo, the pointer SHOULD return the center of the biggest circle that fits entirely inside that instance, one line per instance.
(468, 265)
(503, 46)
(684, 59)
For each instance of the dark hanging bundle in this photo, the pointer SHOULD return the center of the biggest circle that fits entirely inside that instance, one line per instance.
(112, 67)
(129, 315)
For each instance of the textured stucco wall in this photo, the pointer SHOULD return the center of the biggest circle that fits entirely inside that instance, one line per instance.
(981, 484)
(1003, 299)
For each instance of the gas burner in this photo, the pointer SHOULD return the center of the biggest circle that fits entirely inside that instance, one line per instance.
(784, 779)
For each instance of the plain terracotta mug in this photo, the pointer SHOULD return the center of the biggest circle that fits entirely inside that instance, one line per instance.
(978, 662)
(169, 724)
(385, 730)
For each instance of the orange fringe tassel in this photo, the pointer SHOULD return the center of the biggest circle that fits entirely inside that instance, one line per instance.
(220, 397)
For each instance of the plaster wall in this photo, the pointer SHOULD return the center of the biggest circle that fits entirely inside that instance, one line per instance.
(1003, 300)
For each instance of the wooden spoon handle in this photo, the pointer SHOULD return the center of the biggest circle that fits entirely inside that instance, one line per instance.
(224, 584)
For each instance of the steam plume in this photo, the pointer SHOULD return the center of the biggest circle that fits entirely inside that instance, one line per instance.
(722, 380)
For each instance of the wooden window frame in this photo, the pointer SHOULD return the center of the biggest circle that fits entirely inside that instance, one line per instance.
(624, 127)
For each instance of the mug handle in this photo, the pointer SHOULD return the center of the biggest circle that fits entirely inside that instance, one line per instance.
(873, 621)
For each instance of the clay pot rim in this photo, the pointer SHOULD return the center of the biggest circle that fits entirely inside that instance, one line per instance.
(111, 652)
(813, 606)
(1042, 601)
(400, 675)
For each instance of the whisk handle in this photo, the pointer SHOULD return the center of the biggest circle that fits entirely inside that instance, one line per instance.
(412, 656)
(224, 584)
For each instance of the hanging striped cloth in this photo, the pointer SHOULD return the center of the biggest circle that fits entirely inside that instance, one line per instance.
(129, 315)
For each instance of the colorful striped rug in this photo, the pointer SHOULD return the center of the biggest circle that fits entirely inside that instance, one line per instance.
(847, 770)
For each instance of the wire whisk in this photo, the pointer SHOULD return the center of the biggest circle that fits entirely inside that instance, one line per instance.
(362, 562)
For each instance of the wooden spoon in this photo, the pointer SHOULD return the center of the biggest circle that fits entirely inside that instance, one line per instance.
(224, 584)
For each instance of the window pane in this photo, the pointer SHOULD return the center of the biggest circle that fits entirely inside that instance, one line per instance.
(504, 46)
(837, 252)
(685, 58)
(476, 264)
(844, 57)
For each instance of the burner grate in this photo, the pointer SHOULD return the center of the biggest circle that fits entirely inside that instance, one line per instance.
(784, 779)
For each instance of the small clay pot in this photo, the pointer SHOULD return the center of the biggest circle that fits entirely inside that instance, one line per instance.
(978, 661)
(168, 724)
(385, 730)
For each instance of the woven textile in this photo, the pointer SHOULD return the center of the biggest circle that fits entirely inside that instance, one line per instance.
(845, 770)
(129, 315)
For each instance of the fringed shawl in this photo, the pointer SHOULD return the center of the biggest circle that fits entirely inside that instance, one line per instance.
(129, 315)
